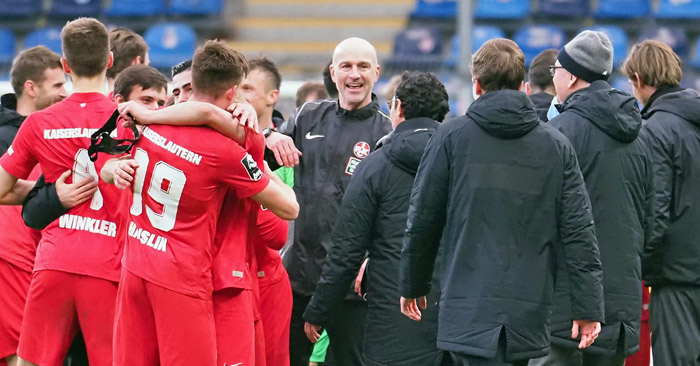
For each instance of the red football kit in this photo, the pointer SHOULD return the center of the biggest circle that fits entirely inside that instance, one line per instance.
(81, 247)
(17, 251)
(275, 289)
(234, 311)
(179, 187)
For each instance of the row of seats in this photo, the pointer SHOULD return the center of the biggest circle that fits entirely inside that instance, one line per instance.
(425, 45)
(604, 9)
(169, 43)
(113, 8)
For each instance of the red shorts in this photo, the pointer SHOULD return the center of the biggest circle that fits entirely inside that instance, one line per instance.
(14, 284)
(154, 325)
(276, 312)
(235, 326)
(58, 305)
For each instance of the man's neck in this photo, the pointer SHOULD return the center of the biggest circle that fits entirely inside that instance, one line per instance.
(94, 84)
(353, 107)
(25, 106)
(110, 85)
(265, 119)
(219, 102)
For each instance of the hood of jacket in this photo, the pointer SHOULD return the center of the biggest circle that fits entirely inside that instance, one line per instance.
(505, 114)
(615, 112)
(8, 114)
(405, 145)
(684, 103)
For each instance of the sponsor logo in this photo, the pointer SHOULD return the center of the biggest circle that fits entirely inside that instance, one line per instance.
(309, 136)
(251, 167)
(361, 149)
(352, 165)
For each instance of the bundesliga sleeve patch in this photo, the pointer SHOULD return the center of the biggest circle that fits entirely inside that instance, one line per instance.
(251, 167)
(353, 162)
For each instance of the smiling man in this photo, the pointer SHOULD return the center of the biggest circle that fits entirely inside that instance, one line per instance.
(334, 136)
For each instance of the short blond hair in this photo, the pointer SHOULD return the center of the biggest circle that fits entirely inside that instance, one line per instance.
(655, 62)
(499, 64)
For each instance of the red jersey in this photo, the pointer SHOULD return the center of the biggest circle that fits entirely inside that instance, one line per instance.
(179, 187)
(18, 242)
(83, 241)
(236, 221)
(270, 236)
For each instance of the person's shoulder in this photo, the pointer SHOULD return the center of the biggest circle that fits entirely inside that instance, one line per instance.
(316, 106)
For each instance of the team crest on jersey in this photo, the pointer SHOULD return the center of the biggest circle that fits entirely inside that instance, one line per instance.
(251, 167)
(352, 165)
(361, 149)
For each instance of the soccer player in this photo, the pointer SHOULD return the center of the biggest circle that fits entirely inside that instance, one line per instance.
(178, 168)
(182, 81)
(78, 258)
(142, 84)
(128, 49)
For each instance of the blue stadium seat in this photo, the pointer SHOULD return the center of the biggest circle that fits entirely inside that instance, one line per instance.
(19, 8)
(622, 83)
(7, 46)
(49, 37)
(622, 9)
(671, 35)
(619, 40)
(695, 58)
(676, 9)
(567, 8)
(534, 39)
(170, 43)
(480, 34)
(502, 9)
(690, 80)
(417, 49)
(195, 7)
(75, 8)
(435, 9)
(139, 8)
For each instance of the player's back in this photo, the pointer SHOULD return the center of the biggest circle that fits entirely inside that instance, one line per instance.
(84, 240)
(179, 186)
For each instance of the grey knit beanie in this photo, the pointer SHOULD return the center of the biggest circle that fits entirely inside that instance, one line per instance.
(588, 56)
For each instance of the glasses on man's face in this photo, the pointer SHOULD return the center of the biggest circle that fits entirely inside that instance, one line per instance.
(553, 69)
(392, 102)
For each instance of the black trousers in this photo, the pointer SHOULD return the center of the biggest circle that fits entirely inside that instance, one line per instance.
(345, 331)
(674, 313)
(460, 359)
(566, 356)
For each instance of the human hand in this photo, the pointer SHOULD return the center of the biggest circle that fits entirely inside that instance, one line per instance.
(360, 275)
(409, 307)
(283, 147)
(74, 194)
(245, 114)
(312, 332)
(133, 113)
(123, 173)
(589, 332)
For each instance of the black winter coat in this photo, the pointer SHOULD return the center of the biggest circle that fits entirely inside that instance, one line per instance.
(333, 141)
(672, 131)
(500, 192)
(372, 218)
(542, 101)
(603, 124)
(10, 121)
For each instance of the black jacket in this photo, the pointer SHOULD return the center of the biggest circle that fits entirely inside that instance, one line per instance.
(372, 218)
(500, 192)
(10, 121)
(542, 101)
(672, 131)
(603, 124)
(333, 141)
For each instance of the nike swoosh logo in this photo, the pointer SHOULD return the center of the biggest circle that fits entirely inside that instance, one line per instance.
(309, 136)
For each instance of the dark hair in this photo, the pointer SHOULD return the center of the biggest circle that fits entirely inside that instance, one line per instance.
(268, 67)
(145, 76)
(422, 95)
(126, 46)
(328, 82)
(216, 67)
(499, 64)
(30, 64)
(310, 88)
(85, 44)
(182, 66)
(539, 75)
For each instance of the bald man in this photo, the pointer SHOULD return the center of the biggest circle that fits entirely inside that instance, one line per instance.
(333, 135)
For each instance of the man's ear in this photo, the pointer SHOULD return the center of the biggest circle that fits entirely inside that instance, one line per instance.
(118, 98)
(30, 89)
(64, 63)
(527, 89)
(273, 97)
(479, 91)
(137, 60)
(231, 93)
(399, 108)
(639, 81)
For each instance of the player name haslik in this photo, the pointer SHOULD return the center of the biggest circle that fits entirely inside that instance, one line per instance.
(174, 148)
(152, 240)
(96, 226)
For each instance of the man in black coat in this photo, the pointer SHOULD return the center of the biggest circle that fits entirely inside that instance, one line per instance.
(603, 125)
(539, 87)
(500, 194)
(372, 218)
(671, 259)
